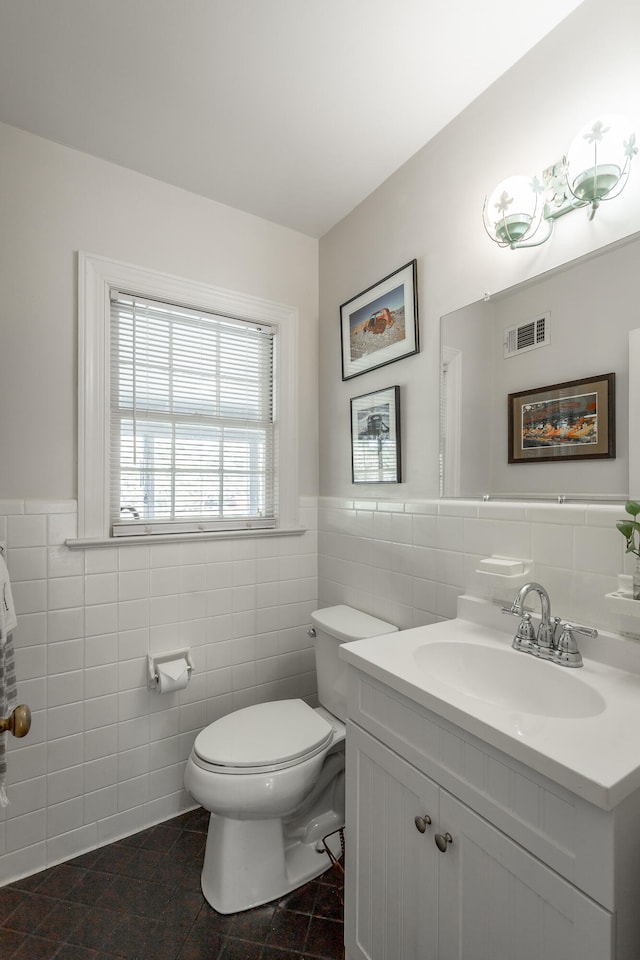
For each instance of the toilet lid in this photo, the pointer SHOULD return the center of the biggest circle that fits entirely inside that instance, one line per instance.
(280, 731)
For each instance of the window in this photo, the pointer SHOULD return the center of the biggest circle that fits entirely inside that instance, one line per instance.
(187, 406)
(191, 419)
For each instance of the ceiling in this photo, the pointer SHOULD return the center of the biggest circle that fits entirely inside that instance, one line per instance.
(293, 110)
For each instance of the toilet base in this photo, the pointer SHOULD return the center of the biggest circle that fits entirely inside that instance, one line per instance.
(261, 862)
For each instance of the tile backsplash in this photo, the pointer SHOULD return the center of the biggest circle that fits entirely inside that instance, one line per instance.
(105, 756)
(407, 562)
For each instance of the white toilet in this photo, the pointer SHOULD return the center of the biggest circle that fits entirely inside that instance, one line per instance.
(272, 776)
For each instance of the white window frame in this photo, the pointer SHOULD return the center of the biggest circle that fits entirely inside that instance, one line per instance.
(97, 276)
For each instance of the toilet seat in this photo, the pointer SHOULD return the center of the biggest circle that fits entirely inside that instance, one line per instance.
(262, 738)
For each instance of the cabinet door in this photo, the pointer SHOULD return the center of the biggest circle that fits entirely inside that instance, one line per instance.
(391, 899)
(498, 901)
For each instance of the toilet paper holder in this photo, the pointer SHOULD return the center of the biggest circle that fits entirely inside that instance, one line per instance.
(154, 661)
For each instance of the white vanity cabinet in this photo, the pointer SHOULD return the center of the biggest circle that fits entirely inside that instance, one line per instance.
(532, 870)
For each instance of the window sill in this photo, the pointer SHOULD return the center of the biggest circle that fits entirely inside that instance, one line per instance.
(99, 542)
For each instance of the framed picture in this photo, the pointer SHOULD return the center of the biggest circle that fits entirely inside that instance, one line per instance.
(375, 437)
(565, 421)
(380, 325)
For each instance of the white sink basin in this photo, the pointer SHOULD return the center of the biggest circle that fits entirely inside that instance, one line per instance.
(508, 679)
(576, 727)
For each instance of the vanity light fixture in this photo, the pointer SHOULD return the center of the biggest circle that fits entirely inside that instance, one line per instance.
(598, 161)
(513, 214)
(521, 211)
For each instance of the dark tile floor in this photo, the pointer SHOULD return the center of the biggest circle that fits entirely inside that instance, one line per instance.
(140, 899)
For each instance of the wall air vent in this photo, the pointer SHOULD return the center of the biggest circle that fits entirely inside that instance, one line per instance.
(526, 336)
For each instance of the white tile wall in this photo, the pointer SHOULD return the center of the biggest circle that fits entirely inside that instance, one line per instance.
(408, 561)
(105, 756)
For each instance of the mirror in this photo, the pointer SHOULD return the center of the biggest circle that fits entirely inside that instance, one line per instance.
(568, 324)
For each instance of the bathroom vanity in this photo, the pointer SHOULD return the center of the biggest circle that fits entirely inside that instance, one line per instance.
(493, 800)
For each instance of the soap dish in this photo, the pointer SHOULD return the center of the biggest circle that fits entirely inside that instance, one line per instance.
(502, 567)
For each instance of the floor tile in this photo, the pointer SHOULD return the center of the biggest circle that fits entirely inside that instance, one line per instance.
(161, 838)
(329, 902)
(302, 900)
(277, 953)
(60, 922)
(252, 924)
(29, 913)
(140, 899)
(10, 940)
(141, 865)
(143, 898)
(288, 930)
(60, 880)
(68, 951)
(325, 939)
(10, 899)
(234, 949)
(209, 924)
(201, 950)
(91, 888)
(36, 948)
(96, 929)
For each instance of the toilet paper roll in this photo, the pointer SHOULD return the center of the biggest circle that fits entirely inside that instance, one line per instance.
(172, 675)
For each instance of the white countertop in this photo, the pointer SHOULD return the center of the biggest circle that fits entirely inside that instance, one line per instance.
(595, 756)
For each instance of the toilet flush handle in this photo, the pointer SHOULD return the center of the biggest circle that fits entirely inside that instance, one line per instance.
(311, 632)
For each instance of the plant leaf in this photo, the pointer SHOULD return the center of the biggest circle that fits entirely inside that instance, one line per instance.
(632, 507)
(625, 527)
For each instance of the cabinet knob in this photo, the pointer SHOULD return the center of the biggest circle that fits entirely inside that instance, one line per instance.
(442, 841)
(422, 822)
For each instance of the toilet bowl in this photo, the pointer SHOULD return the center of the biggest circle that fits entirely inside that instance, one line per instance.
(272, 777)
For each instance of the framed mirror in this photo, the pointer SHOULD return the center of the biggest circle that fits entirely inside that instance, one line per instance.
(571, 324)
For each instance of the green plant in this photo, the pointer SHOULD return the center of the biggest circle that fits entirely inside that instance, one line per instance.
(630, 529)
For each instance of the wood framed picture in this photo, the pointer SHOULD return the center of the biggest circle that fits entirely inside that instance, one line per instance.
(375, 437)
(574, 420)
(380, 324)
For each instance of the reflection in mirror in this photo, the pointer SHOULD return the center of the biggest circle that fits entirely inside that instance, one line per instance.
(568, 324)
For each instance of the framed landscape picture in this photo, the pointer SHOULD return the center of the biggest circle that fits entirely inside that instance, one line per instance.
(574, 420)
(375, 437)
(380, 324)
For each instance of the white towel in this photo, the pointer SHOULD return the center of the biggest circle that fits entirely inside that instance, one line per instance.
(8, 620)
(8, 688)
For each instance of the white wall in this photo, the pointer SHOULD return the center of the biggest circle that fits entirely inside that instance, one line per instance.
(56, 201)
(431, 209)
(105, 756)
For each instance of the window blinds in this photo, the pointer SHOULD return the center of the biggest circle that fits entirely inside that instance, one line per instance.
(192, 420)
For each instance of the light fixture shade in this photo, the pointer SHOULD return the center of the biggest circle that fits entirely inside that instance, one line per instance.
(513, 211)
(598, 160)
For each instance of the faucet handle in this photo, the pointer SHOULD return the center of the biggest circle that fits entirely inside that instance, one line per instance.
(510, 610)
(567, 652)
(525, 638)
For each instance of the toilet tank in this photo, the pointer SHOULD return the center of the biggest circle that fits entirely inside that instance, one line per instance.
(333, 626)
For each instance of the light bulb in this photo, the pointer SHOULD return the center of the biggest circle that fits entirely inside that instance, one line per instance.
(512, 211)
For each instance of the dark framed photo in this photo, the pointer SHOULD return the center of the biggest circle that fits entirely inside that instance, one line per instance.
(375, 437)
(574, 420)
(380, 324)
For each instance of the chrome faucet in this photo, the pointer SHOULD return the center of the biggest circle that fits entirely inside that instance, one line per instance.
(545, 644)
